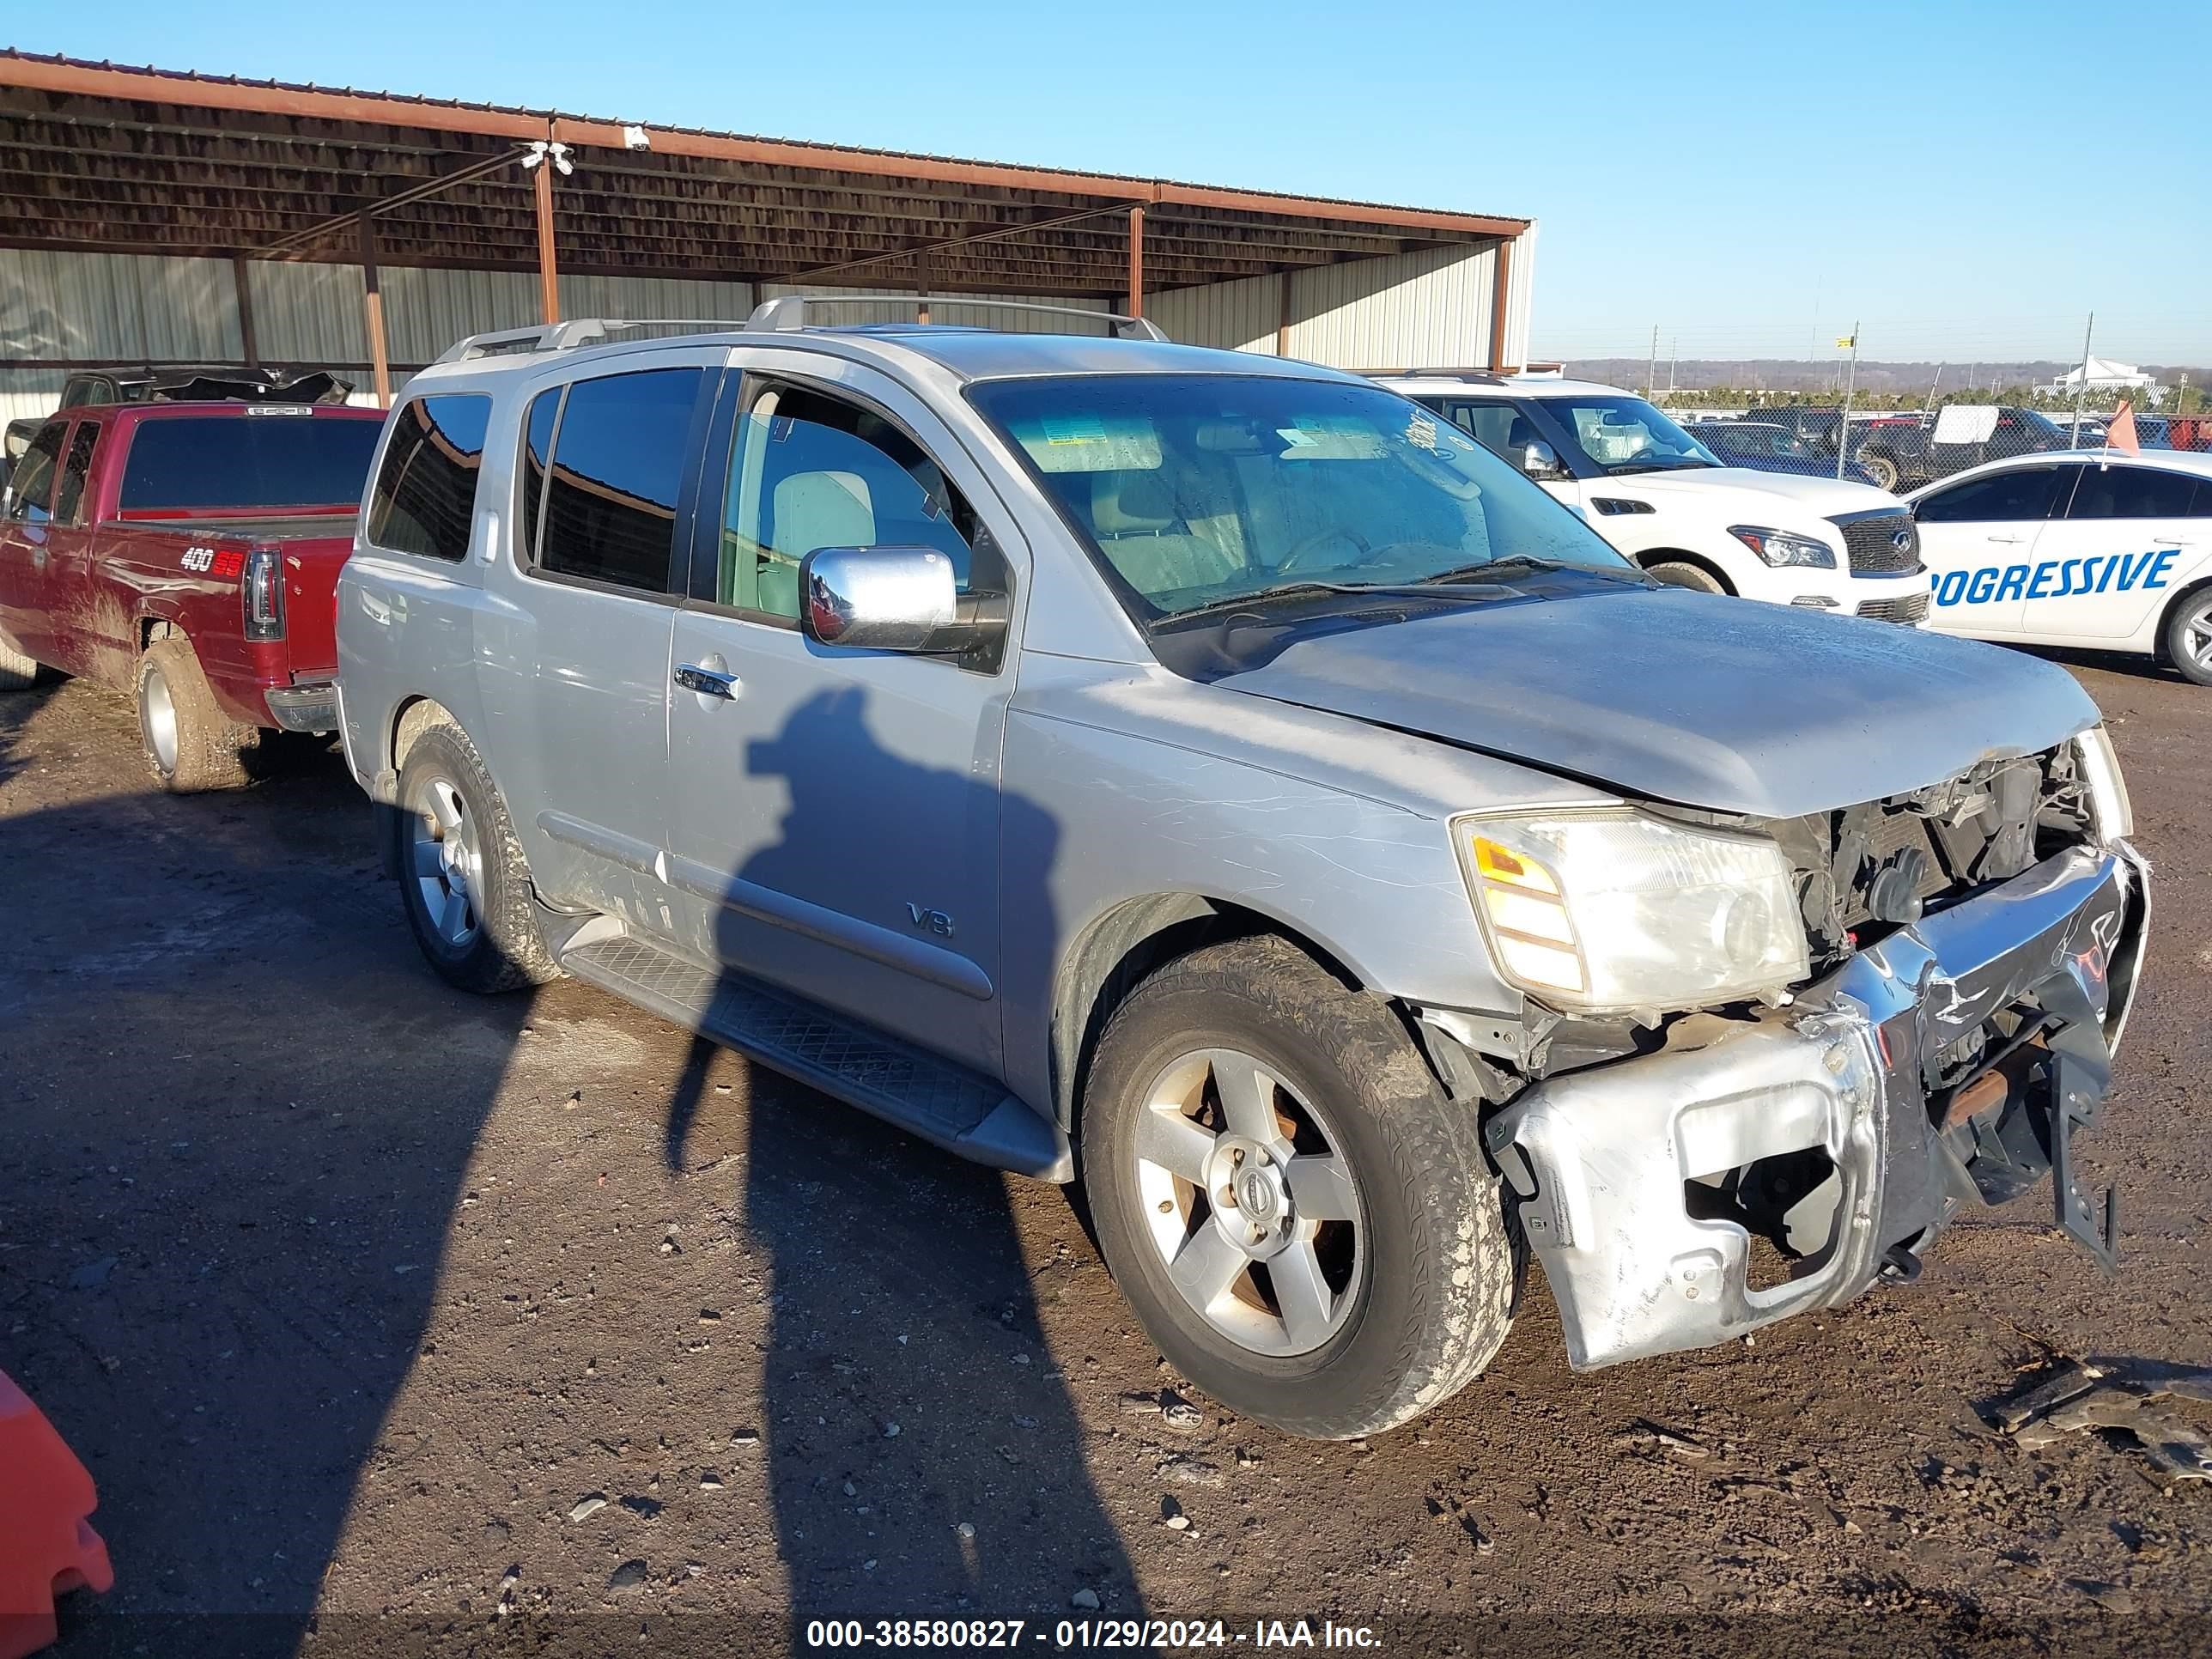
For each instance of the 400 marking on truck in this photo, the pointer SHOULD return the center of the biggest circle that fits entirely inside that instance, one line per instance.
(213, 561)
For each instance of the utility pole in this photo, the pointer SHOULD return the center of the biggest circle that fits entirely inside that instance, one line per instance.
(1932, 384)
(1844, 424)
(1651, 371)
(2074, 440)
(1673, 358)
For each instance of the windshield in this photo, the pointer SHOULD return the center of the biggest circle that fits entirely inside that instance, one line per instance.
(1618, 433)
(1197, 489)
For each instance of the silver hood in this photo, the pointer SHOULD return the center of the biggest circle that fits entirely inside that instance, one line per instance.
(1692, 698)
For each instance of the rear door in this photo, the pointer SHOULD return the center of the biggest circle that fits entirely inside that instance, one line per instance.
(27, 544)
(607, 466)
(1978, 538)
(2128, 537)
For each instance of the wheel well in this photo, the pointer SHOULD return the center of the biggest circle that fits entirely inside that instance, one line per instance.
(151, 629)
(416, 716)
(1679, 555)
(1124, 947)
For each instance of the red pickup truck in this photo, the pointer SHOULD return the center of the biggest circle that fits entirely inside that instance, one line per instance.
(188, 552)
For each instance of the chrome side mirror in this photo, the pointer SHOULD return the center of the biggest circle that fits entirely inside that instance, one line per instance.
(878, 598)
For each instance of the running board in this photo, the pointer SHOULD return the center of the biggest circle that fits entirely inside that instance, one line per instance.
(944, 1103)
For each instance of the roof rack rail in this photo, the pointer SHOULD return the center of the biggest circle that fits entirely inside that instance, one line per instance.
(789, 313)
(574, 334)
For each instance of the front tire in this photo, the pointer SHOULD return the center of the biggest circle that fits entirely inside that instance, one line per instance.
(17, 671)
(1884, 471)
(191, 745)
(1679, 573)
(2187, 637)
(1303, 1224)
(463, 879)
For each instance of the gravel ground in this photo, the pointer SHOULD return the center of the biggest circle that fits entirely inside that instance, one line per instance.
(388, 1319)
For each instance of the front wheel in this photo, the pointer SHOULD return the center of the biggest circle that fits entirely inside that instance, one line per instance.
(1677, 573)
(462, 876)
(1883, 470)
(2188, 637)
(1305, 1225)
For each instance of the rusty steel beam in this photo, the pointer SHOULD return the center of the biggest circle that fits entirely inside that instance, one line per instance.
(372, 300)
(1136, 262)
(242, 288)
(549, 274)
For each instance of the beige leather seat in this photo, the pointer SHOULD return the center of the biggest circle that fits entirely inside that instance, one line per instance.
(812, 509)
(1134, 521)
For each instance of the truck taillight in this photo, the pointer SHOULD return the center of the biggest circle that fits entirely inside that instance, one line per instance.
(264, 592)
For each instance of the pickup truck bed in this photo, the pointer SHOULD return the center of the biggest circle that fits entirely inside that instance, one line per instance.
(106, 551)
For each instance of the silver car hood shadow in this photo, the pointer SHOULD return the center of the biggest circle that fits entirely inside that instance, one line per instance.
(1691, 698)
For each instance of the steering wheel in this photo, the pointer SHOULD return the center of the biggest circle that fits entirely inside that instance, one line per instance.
(1296, 558)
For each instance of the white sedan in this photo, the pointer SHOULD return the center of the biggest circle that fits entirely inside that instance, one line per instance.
(2086, 547)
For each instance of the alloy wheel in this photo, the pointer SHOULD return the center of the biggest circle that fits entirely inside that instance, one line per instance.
(160, 721)
(1253, 1208)
(446, 861)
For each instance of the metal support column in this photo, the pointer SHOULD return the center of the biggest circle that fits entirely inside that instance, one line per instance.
(373, 313)
(1136, 262)
(549, 273)
(245, 293)
(1283, 318)
(1501, 305)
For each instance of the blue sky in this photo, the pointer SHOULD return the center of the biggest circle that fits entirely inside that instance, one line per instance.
(1749, 179)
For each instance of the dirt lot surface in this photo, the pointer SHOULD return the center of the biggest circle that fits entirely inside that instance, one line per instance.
(391, 1319)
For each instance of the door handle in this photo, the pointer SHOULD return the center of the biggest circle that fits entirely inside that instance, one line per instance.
(2009, 541)
(707, 682)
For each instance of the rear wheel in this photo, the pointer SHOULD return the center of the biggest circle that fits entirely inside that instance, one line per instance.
(1679, 573)
(190, 744)
(1304, 1225)
(1883, 470)
(462, 876)
(2188, 637)
(17, 671)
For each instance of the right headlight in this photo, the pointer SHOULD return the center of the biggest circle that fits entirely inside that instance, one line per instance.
(2114, 815)
(1779, 547)
(1610, 910)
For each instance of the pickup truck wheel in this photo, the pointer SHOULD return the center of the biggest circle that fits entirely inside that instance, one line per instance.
(1306, 1226)
(1883, 471)
(463, 876)
(17, 671)
(191, 745)
(1677, 572)
(2188, 637)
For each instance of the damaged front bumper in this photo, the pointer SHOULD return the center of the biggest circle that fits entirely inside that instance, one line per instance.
(1865, 1068)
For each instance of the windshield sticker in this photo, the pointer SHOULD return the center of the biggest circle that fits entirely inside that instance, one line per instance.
(1331, 438)
(1090, 443)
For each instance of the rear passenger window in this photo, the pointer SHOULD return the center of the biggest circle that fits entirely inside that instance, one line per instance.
(619, 449)
(426, 491)
(69, 503)
(2132, 492)
(33, 486)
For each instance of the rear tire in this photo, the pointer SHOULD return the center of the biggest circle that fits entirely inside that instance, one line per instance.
(463, 879)
(2187, 637)
(1387, 1275)
(1884, 470)
(190, 745)
(1677, 572)
(17, 671)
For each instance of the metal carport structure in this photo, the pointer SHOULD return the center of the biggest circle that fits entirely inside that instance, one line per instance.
(96, 158)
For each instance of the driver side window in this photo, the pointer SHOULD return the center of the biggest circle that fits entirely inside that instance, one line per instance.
(809, 470)
(33, 486)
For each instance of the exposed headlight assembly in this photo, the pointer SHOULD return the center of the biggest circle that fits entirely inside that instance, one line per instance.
(1611, 910)
(2113, 816)
(1779, 547)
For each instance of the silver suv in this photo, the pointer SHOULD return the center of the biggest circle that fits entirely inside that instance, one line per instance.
(1219, 780)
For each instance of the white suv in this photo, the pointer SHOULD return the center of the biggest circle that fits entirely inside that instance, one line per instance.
(1669, 503)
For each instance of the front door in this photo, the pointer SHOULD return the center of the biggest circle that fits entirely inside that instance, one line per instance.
(2128, 537)
(835, 816)
(90, 637)
(1977, 538)
(1512, 434)
(27, 545)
